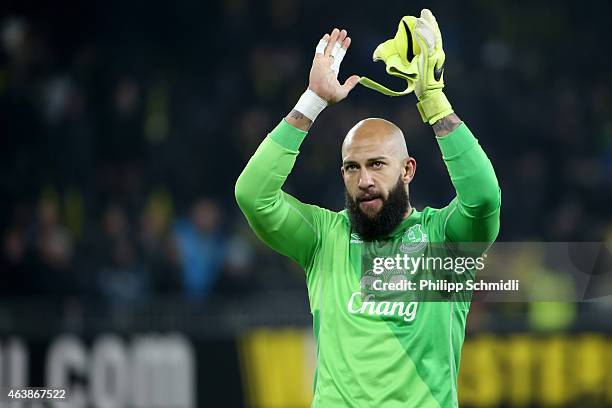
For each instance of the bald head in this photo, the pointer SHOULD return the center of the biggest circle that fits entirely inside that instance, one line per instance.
(376, 135)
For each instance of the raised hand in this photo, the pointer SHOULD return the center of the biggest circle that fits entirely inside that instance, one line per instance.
(325, 67)
(432, 104)
(431, 58)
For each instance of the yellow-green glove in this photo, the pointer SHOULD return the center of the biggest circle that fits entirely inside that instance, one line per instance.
(399, 55)
(432, 104)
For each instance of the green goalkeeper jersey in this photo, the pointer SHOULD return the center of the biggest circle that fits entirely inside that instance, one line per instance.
(368, 355)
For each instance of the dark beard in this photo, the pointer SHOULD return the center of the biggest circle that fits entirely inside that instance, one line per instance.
(391, 214)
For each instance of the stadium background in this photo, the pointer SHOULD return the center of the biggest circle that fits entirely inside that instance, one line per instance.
(126, 268)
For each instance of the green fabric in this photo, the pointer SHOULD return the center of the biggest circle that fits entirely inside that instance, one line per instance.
(365, 360)
(288, 136)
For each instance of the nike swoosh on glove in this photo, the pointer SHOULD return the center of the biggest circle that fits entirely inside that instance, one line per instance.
(432, 104)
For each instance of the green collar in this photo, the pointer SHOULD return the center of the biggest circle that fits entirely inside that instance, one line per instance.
(412, 219)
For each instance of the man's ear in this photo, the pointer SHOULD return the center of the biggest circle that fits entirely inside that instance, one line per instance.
(409, 170)
(342, 171)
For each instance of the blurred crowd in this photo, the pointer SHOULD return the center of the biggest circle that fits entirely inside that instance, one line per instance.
(124, 128)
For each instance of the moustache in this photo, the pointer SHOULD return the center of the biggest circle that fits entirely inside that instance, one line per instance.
(369, 197)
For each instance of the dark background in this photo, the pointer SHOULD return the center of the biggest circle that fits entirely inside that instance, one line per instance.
(124, 125)
(119, 118)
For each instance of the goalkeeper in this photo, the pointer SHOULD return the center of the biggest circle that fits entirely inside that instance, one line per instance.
(367, 356)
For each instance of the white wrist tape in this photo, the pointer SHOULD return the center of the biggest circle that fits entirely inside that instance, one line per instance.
(310, 104)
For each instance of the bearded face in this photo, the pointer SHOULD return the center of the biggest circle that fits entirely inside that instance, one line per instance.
(374, 216)
(376, 170)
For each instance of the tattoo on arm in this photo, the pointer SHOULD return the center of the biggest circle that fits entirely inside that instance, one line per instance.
(446, 125)
(298, 120)
(296, 115)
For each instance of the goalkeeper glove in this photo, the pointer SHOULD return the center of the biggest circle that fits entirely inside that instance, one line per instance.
(432, 104)
(399, 55)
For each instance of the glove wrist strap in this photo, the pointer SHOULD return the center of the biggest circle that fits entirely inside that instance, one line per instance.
(434, 107)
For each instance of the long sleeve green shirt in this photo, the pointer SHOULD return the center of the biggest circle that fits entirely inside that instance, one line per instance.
(373, 355)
